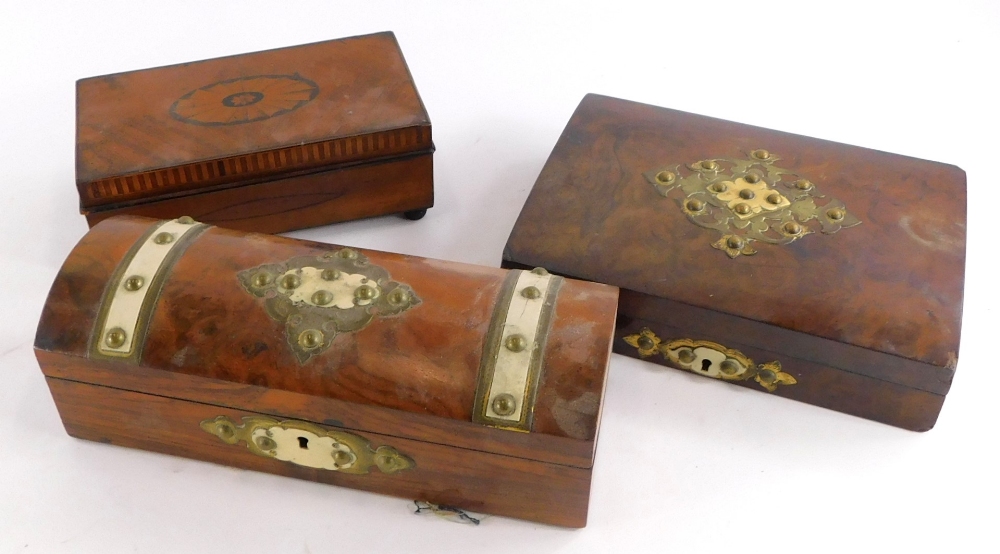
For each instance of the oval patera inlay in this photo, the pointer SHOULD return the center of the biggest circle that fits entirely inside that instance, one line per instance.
(751, 199)
(244, 100)
(320, 297)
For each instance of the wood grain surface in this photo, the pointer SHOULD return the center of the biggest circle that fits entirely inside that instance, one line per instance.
(476, 481)
(206, 327)
(881, 300)
(302, 201)
(270, 141)
(132, 123)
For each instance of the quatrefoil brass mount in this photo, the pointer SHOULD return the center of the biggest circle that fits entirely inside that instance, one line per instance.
(750, 199)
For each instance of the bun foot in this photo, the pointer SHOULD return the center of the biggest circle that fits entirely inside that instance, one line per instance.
(414, 215)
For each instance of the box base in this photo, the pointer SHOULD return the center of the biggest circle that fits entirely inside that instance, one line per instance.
(400, 185)
(816, 383)
(444, 475)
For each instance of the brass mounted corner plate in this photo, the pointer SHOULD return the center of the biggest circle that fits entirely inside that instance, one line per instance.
(711, 359)
(750, 199)
(308, 445)
(319, 297)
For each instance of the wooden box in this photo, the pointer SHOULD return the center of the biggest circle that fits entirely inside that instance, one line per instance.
(267, 142)
(455, 384)
(811, 270)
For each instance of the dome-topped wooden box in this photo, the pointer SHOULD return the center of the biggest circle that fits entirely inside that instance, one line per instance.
(450, 383)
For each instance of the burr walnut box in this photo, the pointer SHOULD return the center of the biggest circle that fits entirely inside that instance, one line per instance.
(803, 268)
(460, 385)
(267, 142)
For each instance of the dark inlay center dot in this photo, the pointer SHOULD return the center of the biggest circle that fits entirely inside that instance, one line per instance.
(242, 99)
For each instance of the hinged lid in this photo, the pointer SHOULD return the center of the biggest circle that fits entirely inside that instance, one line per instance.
(831, 241)
(508, 362)
(185, 128)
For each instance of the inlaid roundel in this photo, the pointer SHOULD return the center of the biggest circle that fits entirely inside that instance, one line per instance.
(244, 100)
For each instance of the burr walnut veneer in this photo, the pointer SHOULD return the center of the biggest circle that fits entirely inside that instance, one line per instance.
(268, 142)
(811, 270)
(461, 385)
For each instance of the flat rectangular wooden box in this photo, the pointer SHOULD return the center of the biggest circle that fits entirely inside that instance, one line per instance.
(269, 141)
(811, 270)
(455, 384)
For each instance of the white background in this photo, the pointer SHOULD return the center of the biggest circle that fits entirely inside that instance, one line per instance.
(684, 464)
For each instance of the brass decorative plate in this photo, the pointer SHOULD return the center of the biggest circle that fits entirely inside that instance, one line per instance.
(308, 445)
(319, 297)
(244, 100)
(711, 359)
(751, 199)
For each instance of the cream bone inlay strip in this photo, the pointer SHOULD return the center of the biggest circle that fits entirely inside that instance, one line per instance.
(128, 303)
(512, 360)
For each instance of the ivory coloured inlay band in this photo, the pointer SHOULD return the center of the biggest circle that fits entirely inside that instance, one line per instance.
(133, 289)
(512, 359)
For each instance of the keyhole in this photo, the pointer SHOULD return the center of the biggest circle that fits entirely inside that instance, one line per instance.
(705, 364)
(303, 442)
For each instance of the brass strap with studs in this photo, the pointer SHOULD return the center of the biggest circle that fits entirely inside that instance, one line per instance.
(515, 344)
(131, 295)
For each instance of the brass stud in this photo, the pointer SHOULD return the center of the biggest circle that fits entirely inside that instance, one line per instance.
(134, 283)
(163, 238)
(115, 338)
(665, 177)
(347, 254)
(735, 243)
(290, 281)
(225, 430)
(695, 205)
(342, 457)
(746, 194)
(516, 343)
(743, 208)
(774, 198)
(310, 338)
(645, 343)
(261, 279)
(792, 228)
(540, 271)
(330, 274)
(364, 292)
(504, 404)
(399, 296)
(752, 178)
(709, 165)
(719, 187)
(767, 376)
(531, 293)
(761, 154)
(835, 214)
(322, 297)
(729, 367)
(185, 220)
(803, 184)
(686, 355)
(265, 443)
